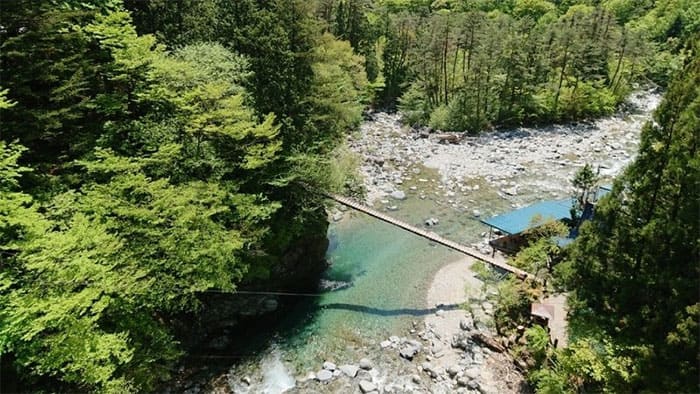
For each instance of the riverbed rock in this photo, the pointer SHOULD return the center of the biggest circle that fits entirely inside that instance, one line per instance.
(453, 370)
(408, 352)
(378, 160)
(349, 370)
(365, 364)
(472, 373)
(367, 386)
(324, 375)
(436, 348)
(462, 382)
(461, 341)
(431, 222)
(513, 191)
(430, 370)
(329, 366)
(476, 213)
(384, 344)
(466, 324)
(398, 195)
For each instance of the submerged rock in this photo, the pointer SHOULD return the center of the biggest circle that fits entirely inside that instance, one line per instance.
(338, 216)
(432, 222)
(398, 195)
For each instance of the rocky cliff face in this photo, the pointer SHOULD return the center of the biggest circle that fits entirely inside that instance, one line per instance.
(301, 265)
(297, 268)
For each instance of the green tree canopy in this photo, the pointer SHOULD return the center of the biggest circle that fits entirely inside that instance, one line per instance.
(636, 264)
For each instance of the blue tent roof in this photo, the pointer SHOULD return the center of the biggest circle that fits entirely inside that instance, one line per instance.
(519, 220)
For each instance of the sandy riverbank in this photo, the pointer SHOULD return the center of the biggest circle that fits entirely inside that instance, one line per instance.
(456, 283)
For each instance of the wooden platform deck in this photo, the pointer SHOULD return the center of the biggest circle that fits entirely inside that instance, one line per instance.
(428, 235)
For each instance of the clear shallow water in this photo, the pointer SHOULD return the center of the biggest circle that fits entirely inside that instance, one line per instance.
(389, 271)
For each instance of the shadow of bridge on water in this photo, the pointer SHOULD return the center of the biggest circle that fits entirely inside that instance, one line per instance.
(390, 312)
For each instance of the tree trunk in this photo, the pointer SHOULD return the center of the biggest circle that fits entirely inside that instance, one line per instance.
(614, 81)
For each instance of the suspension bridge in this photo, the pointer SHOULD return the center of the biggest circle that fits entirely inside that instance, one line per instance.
(428, 235)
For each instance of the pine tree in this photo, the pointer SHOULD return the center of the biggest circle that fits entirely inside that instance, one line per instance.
(636, 264)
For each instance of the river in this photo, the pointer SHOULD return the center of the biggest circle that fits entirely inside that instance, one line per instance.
(389, 270)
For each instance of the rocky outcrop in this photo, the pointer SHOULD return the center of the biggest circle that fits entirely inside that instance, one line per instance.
(296, 268)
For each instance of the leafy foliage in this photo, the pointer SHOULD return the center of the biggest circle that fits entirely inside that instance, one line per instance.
(152, 151)
(633, 269)
(167, 197)
(514, 298)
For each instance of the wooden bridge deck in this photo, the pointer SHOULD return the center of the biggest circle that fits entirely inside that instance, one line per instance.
(427, 234)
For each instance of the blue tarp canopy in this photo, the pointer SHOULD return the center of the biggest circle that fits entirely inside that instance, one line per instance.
(519, 220)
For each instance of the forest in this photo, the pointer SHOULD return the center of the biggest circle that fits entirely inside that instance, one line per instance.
(152, 151)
